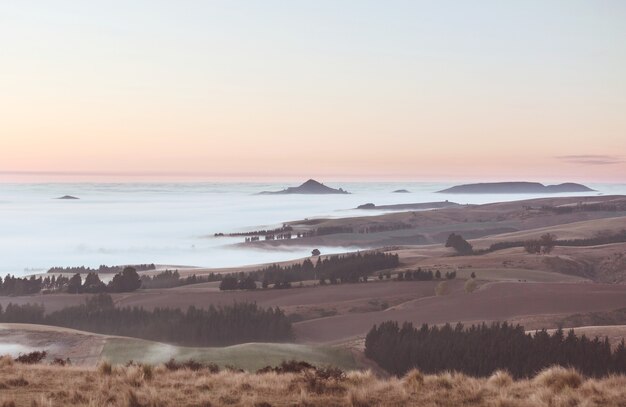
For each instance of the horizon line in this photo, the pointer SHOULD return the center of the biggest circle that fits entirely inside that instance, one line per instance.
(149, 176)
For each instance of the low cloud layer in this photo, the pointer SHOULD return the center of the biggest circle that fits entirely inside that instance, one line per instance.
(591, 159)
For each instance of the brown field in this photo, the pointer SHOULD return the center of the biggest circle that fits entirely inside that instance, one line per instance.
(145, 385)
(342, 298)
(492, 302)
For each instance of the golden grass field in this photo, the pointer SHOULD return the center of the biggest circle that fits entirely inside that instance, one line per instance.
(139, 385)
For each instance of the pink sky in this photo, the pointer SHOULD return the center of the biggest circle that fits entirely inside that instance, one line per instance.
(265, 90)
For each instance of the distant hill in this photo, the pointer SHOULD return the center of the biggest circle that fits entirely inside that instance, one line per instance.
(309, 187)
(67, 197)
(515, 188)
(410, 206)
(401, 191)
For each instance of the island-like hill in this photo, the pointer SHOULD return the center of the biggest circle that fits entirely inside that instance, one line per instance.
(309, 187)
(515, 188)
(410, 206)
(401, 191)
(67, 197)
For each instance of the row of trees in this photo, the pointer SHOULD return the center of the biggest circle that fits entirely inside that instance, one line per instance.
(587, 207)
(284, 229)
(215, 326)
(101, 269)
(482, 349)
(545, 244)
(169, 279)
(353, 267)
(233, 283)
(423, 275)
(20, 285)
(125, 281)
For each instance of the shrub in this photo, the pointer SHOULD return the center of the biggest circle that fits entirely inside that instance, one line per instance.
(470, 286)
(105, 368)
(442, 288)
(291, 366)
(32, 357)
(459, 244)
(61, 362)
(192, 365)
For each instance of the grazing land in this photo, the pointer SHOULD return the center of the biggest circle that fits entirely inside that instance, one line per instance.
(87, 349)
(572, 286)
(472, 221)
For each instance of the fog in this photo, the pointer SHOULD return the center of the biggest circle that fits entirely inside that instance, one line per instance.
(173, 223)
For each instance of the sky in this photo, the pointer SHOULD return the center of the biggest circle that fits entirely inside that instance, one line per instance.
(348, 89)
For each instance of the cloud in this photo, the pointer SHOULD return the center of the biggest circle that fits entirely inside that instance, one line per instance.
(591, 159)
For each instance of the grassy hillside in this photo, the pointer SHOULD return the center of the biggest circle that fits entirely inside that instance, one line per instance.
(85, 348)
(250, 356)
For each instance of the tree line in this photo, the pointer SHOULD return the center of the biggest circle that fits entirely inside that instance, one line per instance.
(587, 207)
(482, 349)
(423, 275)
(125, 281)
(215, 326)
(284, 229)
(170, 279)
(352, 267)
(101, 269)
(545, 244)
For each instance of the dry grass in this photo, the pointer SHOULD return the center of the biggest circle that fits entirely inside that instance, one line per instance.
(139, 385)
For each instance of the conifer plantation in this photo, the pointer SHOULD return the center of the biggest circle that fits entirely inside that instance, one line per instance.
(352, 267)
(480, 350)
(215, 326)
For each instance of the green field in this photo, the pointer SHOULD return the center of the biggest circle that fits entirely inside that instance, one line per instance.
(251, 356)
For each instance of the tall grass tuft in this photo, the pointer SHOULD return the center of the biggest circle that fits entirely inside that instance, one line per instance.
(500, 379)
(558, 378)
(105, 368)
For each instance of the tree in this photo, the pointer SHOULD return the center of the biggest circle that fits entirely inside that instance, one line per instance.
(126, 281)
(459, 244)
(74, 284)
(473, 275)
(315, 252)
(93, 284)
(247, 283)
(548, 241)
(532, 247)
(228, 283)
